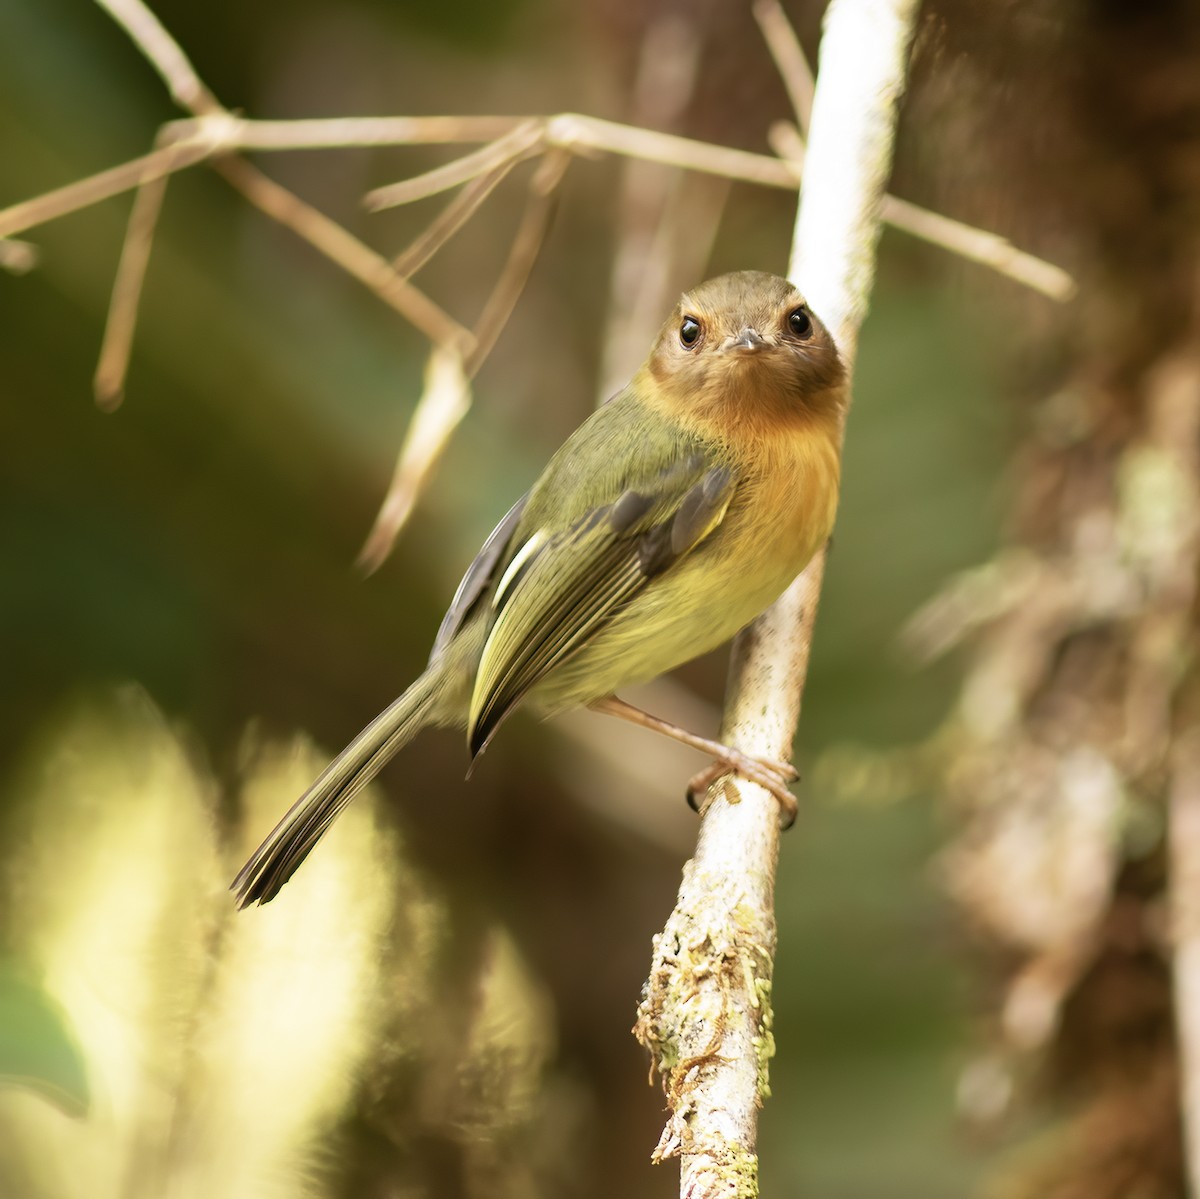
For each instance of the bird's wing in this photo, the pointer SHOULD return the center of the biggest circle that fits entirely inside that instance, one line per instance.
(478, 577)
(560, 586)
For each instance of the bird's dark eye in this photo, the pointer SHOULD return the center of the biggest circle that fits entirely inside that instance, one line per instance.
(689, 332)
(800, 323)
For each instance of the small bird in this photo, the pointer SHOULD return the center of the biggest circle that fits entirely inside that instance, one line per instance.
(666, 522)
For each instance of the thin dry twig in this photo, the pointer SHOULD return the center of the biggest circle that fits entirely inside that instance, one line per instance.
(167, 57)
(790, 60)
(212, 133)
(571, 131)
(108, 383)
(445, 400)
(354, 256)
(163, 53)
(511, 148)
(338, 133)
(196, 139)
(977, 245)
(450, 220)
(447, 397)
(521, 257)
(83, 193)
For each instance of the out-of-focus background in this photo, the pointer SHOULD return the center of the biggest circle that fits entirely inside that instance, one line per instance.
(971, 991)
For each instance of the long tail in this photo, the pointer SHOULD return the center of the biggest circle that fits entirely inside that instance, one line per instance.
(291, 841)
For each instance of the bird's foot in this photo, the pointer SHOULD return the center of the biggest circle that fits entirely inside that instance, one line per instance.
(769, 773)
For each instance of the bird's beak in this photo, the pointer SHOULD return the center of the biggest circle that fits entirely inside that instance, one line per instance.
(746, 341)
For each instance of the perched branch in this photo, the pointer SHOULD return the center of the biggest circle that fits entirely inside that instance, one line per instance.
(706, 1015)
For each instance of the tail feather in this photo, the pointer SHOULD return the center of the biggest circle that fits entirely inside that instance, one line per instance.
(292, 839)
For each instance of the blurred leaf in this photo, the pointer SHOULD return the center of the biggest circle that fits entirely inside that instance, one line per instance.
(37, 1047)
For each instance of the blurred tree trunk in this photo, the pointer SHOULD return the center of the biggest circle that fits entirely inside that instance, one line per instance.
(1075, 729)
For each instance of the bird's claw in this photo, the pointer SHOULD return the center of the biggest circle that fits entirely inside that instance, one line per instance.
(769, 773)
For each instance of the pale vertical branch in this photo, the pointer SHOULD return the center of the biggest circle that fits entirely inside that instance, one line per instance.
(706, 1015)
(849, 156)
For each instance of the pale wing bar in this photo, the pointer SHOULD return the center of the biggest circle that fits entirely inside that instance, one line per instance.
(571, 586)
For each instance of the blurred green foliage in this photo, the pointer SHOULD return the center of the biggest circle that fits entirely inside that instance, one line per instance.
(200, 540)
(37, 1049)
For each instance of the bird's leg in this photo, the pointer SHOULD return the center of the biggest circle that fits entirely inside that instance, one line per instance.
(769, 773)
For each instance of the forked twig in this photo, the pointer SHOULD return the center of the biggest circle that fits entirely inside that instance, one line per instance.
(320, 231)
(83, 193)
(446, 397)
(215, 135)
(198, 139)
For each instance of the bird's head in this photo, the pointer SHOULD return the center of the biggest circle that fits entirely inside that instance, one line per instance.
(747, 344)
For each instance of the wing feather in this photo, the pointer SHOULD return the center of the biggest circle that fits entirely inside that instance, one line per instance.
(579, 579)
(478, 577)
